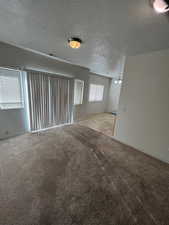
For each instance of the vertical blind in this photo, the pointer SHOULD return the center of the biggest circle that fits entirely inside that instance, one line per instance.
(49, 100)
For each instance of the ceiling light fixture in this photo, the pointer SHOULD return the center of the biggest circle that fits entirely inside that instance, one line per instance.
(118, 81)
(161, 6)
(75, 42)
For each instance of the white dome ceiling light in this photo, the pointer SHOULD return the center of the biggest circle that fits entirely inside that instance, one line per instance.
(118, 81)
(161, 6)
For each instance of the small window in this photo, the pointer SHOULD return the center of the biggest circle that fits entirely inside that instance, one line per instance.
(78, 92)
(96, 93)
(10, 89)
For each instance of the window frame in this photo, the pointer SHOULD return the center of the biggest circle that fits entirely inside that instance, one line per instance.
(95, 101)
(21, 91)
(75, 84)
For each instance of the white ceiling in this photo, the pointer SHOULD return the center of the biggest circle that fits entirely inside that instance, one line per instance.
(110, 29)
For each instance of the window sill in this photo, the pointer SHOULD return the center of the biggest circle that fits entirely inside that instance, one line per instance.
(95, 101)
(14, 108)
(78, 104)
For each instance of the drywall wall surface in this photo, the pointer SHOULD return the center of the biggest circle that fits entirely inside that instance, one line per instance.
(98, 107)
(115, 89)
(81, 111)
(114, 96)
(12, 122)
(11, 56)
(143, 120)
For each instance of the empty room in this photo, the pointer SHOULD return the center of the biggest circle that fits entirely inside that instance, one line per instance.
(84, 112)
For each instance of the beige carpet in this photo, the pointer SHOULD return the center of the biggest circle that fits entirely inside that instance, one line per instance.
(74, 175)
(102, 122)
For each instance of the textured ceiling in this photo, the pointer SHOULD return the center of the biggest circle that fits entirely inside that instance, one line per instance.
(109, 29)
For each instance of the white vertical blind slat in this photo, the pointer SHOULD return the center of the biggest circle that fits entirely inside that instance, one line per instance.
(49, 100)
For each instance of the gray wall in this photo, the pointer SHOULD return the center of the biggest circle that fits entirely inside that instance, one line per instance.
(115, 89)
(143, 120)
(99, 107)
(16, 57)
(114, 96)
(13, 122)
(81, 111)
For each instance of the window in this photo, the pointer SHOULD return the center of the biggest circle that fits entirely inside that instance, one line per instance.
(78, 92)
(96, 93)
(10, 89)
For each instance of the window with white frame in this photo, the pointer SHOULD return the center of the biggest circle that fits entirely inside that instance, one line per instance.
(78, 92)
(10, 89)
(96, 93)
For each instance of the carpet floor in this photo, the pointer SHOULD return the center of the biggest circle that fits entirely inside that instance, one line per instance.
(74, 175)
(102, 122)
